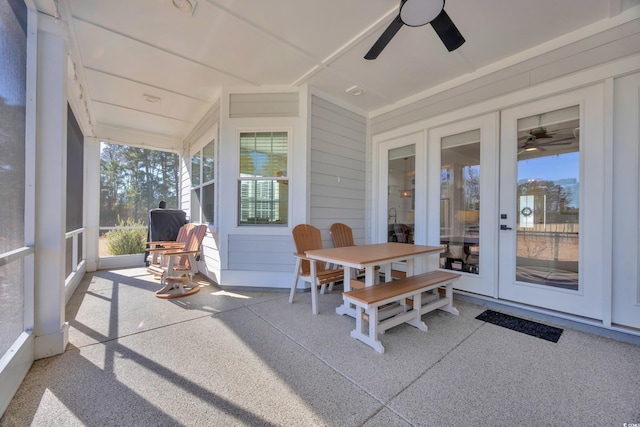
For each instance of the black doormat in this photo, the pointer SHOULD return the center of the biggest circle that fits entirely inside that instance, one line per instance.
(528, 327)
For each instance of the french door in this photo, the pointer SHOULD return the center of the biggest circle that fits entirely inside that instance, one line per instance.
(462, 194)
(551, 203)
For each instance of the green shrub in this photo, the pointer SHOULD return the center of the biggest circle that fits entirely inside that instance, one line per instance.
(125, 241)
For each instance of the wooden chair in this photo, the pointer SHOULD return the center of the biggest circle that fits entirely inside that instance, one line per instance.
(179, 265)
(307, 237)
(403, 233)
(157, 247)
(342, 235)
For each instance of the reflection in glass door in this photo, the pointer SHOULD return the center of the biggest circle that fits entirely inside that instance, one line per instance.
(460, 202)
(547, 201)
(401, 194)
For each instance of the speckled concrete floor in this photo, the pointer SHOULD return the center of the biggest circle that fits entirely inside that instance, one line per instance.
(220, 358)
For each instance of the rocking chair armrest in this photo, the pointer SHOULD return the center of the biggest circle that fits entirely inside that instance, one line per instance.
(165, 243)
(175, 248)
(180, 252)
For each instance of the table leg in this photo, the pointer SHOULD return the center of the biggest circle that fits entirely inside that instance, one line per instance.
(409, 265)
(346, 283)
(345, 308)
(369, 276)
(314, 289)
(386, 269)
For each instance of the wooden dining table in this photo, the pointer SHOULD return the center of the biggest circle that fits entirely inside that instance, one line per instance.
(368, 257)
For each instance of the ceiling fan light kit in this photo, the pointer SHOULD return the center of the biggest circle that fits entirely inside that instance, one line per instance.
(416, 13)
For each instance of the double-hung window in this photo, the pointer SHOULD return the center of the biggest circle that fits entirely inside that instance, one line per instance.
(203, 184)
(263, 183)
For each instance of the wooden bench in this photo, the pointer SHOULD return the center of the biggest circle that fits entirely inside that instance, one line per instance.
(400, 301)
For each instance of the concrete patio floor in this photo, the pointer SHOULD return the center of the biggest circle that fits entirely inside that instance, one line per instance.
(247, 357)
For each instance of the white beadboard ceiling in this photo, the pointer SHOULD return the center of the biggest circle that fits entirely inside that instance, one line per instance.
(126, 49)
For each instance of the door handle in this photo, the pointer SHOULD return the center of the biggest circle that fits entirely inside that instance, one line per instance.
(504, 227)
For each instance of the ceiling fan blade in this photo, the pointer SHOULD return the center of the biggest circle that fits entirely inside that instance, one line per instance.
(385, 38)
(447, 31)
(563, 141)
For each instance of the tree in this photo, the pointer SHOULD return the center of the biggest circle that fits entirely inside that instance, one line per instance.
(133, 180)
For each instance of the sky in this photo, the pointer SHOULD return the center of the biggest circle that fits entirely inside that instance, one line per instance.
(550, 168)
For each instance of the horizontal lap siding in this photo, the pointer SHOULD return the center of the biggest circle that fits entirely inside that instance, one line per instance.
(338, 169)
(261, 253)
(263, 105)
(595, 50)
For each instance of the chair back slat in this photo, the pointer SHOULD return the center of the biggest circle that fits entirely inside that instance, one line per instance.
(183, 233)
(195, 236)
(342, 235)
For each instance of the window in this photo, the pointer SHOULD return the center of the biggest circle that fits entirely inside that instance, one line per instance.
(263, 184)
(203, 184)
(133, 181)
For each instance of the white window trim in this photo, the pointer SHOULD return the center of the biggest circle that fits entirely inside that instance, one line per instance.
(198, 148)
(279, 228)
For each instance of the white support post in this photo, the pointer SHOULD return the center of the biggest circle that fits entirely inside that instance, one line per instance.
(92, 202)
(51, 331)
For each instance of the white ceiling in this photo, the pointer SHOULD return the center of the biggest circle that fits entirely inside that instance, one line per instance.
(124, 49)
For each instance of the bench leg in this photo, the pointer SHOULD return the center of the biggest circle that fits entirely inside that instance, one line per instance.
(416, 321)
(449, 308)
(372, 338)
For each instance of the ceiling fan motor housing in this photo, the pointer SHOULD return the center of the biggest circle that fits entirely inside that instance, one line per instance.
(416, 13)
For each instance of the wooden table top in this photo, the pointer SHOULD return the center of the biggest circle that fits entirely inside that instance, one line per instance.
(362, 255)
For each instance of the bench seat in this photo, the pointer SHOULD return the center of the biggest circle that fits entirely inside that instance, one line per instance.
(400, 301)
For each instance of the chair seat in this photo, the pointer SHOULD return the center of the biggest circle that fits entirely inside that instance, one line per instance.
(328, 276)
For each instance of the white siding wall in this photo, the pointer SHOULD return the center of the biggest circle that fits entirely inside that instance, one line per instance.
(263, 105)
(255, 256)
(338, 168)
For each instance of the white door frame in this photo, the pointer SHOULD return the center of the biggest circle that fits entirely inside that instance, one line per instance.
(593, 259)
(484, 283)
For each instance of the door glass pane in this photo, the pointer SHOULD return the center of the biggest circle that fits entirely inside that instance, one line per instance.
(460, 202)
(402, 173)
(547, 216)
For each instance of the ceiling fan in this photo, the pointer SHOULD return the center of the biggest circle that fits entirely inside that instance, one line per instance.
(416, 13)
(534, 140)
